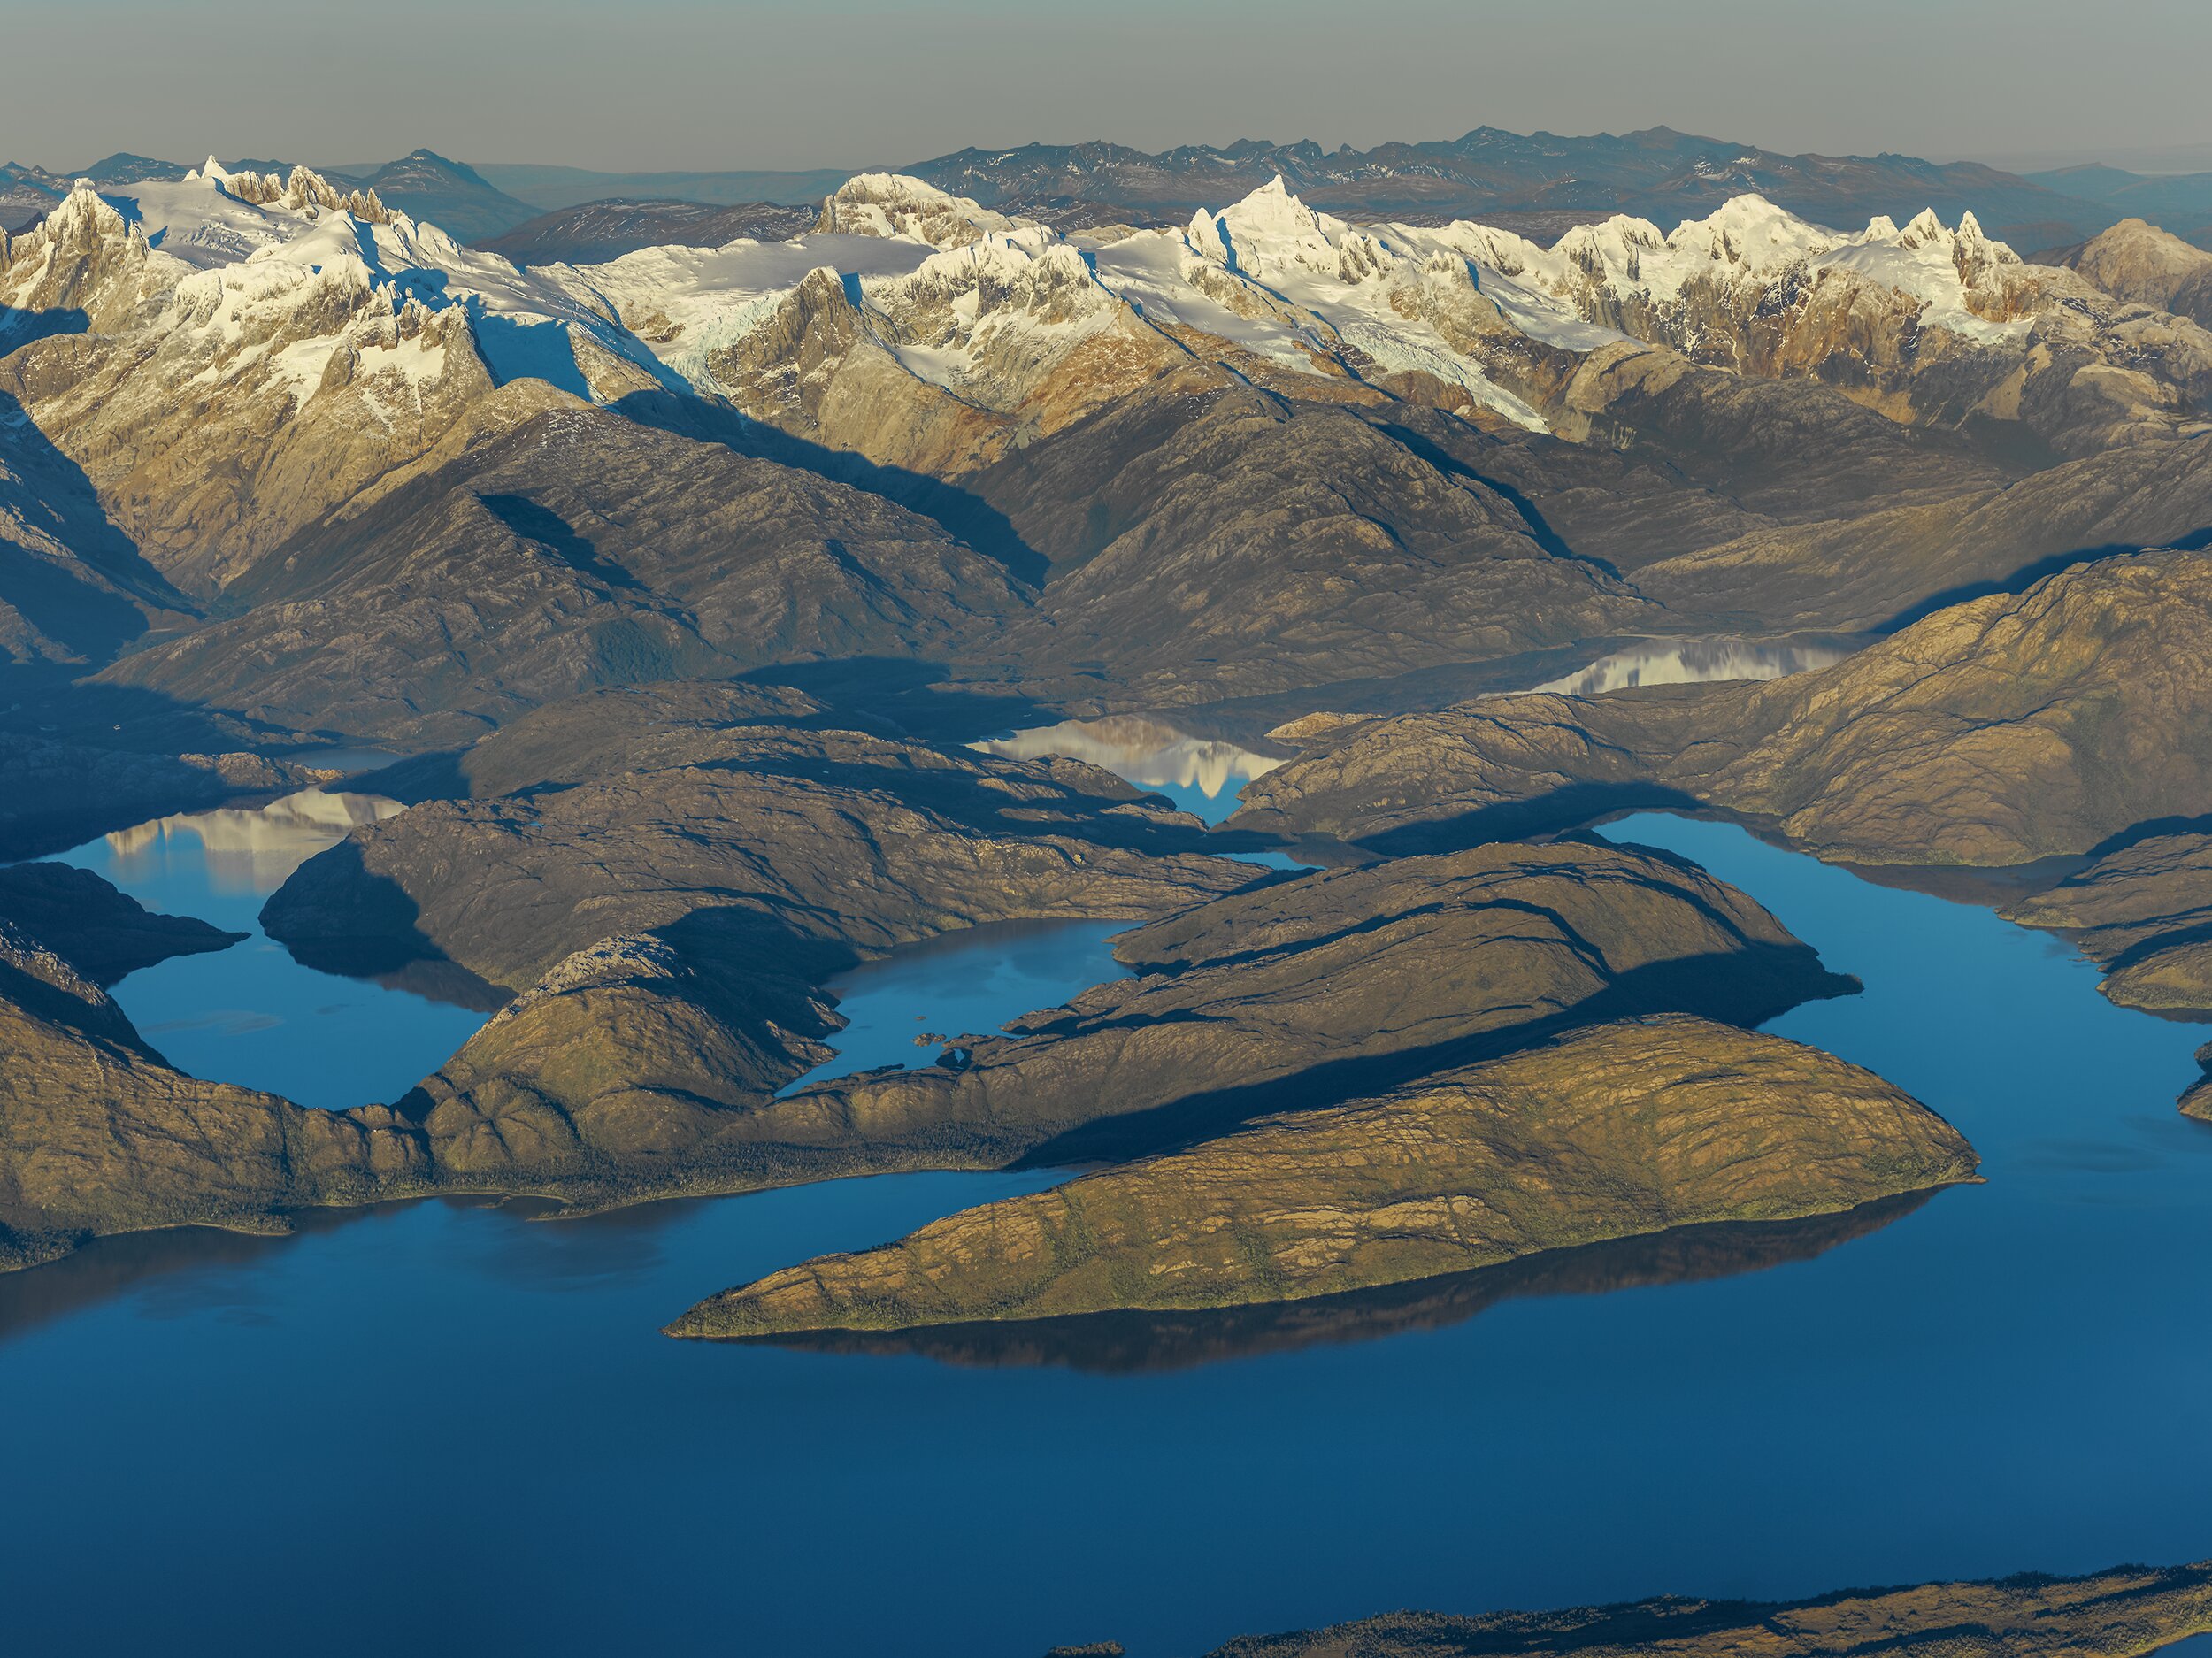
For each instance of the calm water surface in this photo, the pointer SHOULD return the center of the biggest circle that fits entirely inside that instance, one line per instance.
(966, 983)
(251, 1014)
(1695, 661)
(436, 1428)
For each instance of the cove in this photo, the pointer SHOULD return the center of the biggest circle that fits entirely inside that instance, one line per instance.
(478, 1407)
(251, 1014)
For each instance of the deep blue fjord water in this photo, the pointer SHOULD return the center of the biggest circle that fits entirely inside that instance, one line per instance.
(251, 1014)
(437, 1428)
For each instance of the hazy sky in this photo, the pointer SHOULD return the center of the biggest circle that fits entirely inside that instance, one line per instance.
(684, 83)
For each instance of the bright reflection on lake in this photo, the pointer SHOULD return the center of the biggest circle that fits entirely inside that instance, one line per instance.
(251, 1014)
(1693, 662)
(1200, 774)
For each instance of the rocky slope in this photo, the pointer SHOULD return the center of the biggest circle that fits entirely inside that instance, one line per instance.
(578, 549)
(99, 931)
(1625, 1129)
(2128, 1613)
(2139, 262)
(507, 888)
(1999, 731)
(2144, 913)
(1121, 1343)
(99, 1136)
(1400, 448)
(1927, 324)
(626, 1069)
(1310, 992)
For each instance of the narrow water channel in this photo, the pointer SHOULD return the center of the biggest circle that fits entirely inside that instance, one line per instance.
(2006, 1377)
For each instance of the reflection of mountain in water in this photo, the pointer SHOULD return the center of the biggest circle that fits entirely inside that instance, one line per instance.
(1693, 662)
(1149, 752)
(1169, 1341)
(252, 851)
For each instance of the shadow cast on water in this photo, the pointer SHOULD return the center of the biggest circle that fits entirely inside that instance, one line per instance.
(334, 916)
(1130, 1341)
(1576, 806)
(900, 696)
(1745, 987)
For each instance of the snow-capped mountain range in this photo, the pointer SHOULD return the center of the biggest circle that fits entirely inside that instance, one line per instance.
(918, 326)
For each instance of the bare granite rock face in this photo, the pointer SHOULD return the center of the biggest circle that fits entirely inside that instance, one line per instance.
(507, 888)
(2138, 261)
(1998, 731)
(575, 550)
(2130, 1612)
(2144, 914)
(620, 1071)
(1307, 992)
(1620, 1130)
(98, 1135)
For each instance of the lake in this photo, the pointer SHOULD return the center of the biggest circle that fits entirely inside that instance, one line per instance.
(251, 1014)
(209, 1438)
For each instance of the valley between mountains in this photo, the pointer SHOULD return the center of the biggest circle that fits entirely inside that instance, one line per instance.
(636, 652)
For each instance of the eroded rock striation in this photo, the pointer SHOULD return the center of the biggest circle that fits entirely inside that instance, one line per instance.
(2144, 914)
(1620, 1129)
(97, 1135)
(1307, 992)
(1998, 731)
(507, 888)
(2126, 1613)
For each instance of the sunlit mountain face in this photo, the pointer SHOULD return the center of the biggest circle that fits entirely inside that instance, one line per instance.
(1530, 808)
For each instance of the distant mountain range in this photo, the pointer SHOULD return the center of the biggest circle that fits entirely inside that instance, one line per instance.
(1538, 184)
(592, 231)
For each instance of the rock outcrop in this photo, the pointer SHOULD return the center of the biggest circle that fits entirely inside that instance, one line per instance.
(2143, 913)
(1998, 731)
(2130, 1612)
(1309, 992)
(507, 888)
(100, 931)
(581, 549)
(99, 1136)
(2138, 261)
(1625, 1129)
(621, 1070)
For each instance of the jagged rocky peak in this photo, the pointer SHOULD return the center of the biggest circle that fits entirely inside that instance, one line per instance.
(303, 190)
(83, 257)
(79, 224)
(1005, 273)
(1271, 232)
(892, 204)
